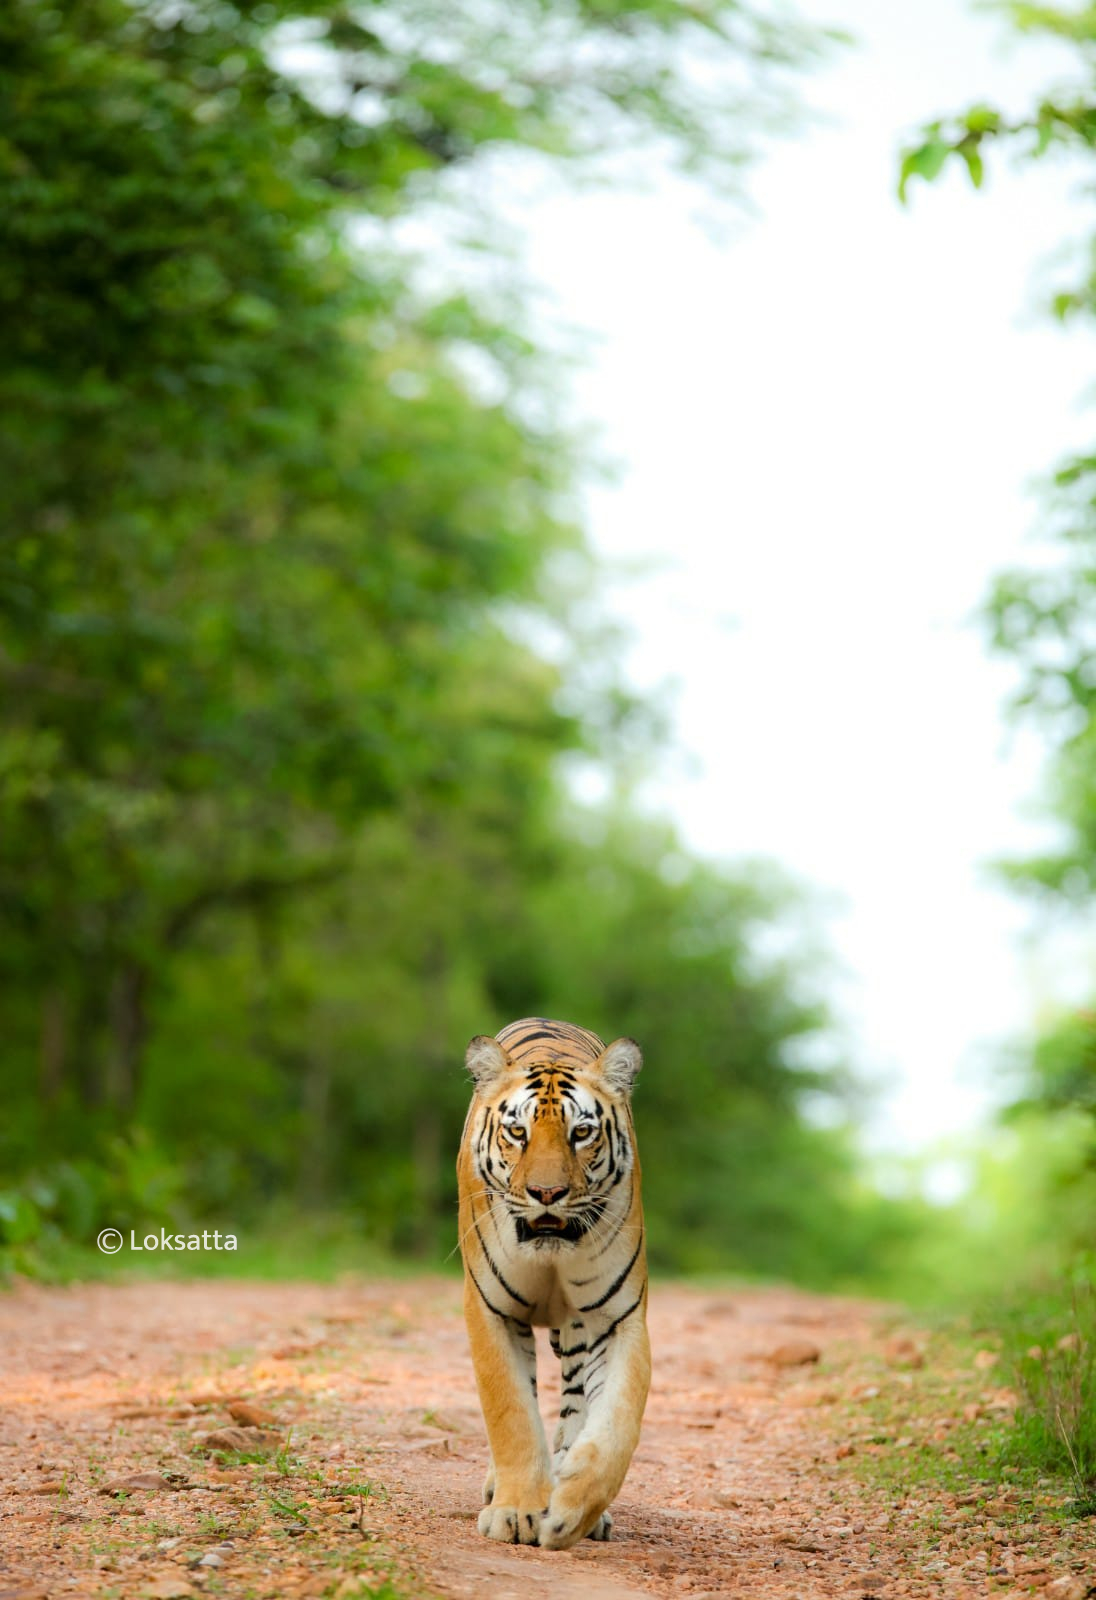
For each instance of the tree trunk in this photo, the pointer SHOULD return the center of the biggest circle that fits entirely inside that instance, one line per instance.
(426, 1161)
(426, 1153)
(87, 1054)
(128, 1027)
(53, 1045)
(312, 1173)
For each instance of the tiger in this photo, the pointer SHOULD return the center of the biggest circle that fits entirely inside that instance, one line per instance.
(551, 1231)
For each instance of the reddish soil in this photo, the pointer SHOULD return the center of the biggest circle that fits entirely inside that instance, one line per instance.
(749, 1480)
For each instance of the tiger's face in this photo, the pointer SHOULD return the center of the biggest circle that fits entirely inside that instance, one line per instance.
(553, 1140)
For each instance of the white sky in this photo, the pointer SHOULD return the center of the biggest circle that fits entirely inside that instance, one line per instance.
(829, 427)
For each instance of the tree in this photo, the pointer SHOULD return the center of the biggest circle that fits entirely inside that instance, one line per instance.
(255, 505)
(282, 820)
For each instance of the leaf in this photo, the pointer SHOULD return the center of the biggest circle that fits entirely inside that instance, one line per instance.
(925, 162)
(982, 119)
(973, 158)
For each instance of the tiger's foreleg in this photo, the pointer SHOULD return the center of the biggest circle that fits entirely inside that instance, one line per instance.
(569, 1349)
(569, 1346)
(520, 1479)
(617, 1376)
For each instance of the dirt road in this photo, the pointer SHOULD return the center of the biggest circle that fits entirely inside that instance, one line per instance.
(747, 1481)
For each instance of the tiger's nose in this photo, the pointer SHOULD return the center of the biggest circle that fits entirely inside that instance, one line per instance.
(547, 1197)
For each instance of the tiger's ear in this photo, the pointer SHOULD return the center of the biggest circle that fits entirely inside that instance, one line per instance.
(486, 1060)
(618, 1064)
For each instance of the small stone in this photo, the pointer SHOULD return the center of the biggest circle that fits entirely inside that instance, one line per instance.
(796, 1353)
(452, 1421)
(902, 1351)
(984, 1359)
(719, 1308)
(1066, 1588)
(250, 1441)
(249, 1416)
(171, 1586)
(136, 1480)
(1069, 1342)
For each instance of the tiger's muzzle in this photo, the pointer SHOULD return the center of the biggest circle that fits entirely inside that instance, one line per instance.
(549, 1225)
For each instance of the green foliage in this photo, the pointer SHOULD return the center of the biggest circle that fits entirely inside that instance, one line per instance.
(1044, 620)
(1064, 1066)
(241, 550)
(130, 1182)
(963, 139)
(282, 819)
(1065, 120)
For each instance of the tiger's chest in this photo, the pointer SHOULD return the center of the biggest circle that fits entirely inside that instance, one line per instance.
(547, 1278)
(549, 1282)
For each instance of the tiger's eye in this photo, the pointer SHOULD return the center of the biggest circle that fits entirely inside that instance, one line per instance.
(584, 1130)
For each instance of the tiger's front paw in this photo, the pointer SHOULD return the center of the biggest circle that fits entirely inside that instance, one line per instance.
(577, 1509)
(561, 1528)
(560, 1532)
(510, 1524)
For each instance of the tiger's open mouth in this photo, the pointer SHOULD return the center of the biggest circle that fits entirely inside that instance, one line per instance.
(549, 1226)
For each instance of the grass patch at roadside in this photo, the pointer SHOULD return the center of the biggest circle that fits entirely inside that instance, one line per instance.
(1049, 1346)
(996, 1410)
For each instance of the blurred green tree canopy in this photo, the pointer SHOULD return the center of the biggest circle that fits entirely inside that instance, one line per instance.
(282, 819)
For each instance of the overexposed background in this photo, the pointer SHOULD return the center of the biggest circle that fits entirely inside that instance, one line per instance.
(830, 420)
